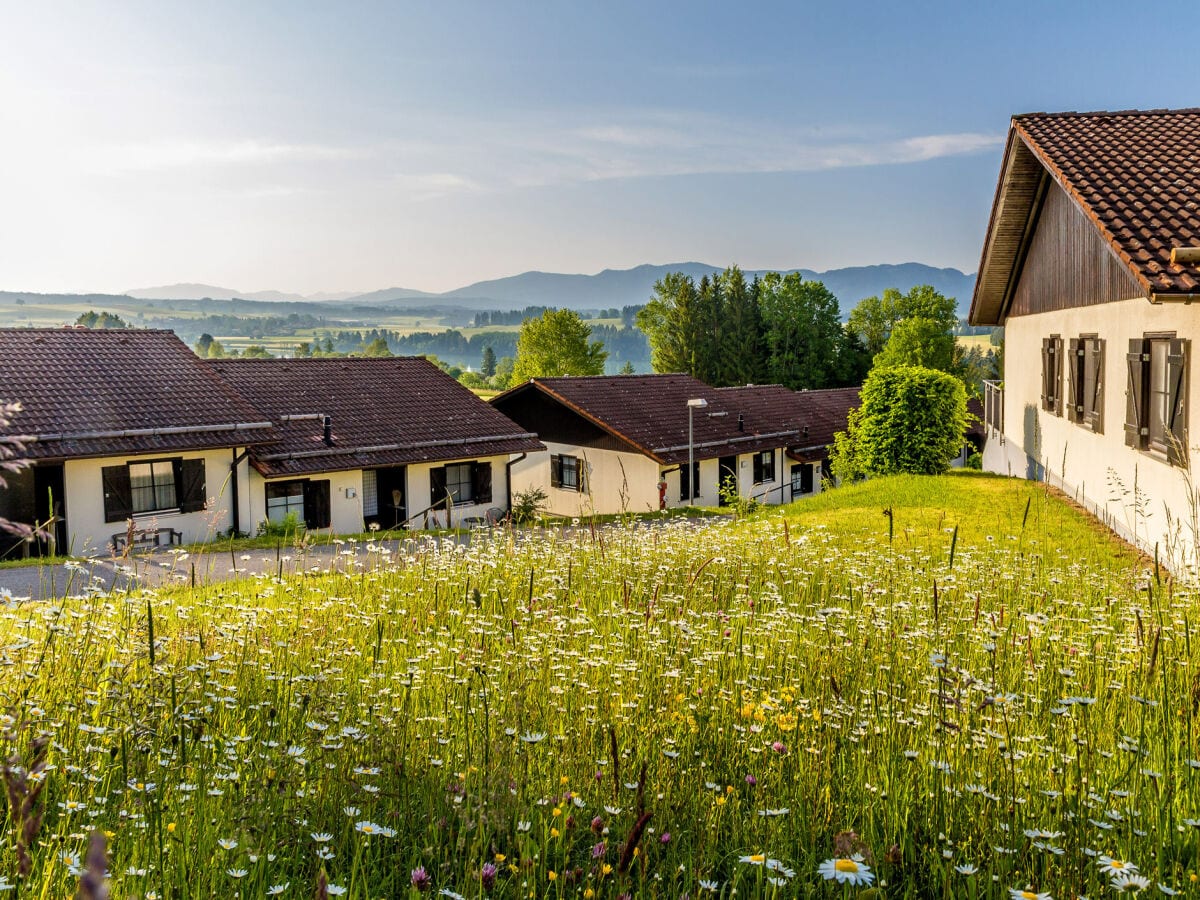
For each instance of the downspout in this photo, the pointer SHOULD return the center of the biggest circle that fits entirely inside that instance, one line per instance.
(233, 484)
(508, 479)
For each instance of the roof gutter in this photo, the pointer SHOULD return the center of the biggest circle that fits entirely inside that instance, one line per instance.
(747, 437)
(1185, 299)
(380, 448)
(152, 432)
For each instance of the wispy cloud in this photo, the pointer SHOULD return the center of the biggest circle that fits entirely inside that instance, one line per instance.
(183, 154)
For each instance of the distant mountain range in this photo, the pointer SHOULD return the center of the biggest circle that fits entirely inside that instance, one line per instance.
(604, 290)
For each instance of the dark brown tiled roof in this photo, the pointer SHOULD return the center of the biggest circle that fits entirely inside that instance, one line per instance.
(118, 392)
(385, 411)
(1135, 174)
(650, 413)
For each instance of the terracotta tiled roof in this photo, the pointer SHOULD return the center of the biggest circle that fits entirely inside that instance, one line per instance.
(650, 413)
(117, 392)
(1135, 174)
(385, 411)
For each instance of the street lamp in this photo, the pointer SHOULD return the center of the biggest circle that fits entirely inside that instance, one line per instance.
(697, 403)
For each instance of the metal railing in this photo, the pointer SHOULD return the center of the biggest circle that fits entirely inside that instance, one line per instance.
(993, 406)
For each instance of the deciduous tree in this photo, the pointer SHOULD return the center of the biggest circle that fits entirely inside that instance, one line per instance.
(557, 344)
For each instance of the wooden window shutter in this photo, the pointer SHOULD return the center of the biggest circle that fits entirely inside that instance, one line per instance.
(317, 512)
(481, 481)
(1177, 451)
(1047, 382)
(1095, 404)
(437, 486)
(555, 470)
(1075, 380)
(581, 476)
(1056, 349)
(192, 492)
(118, 496)
(1136, 431)
(758, 468)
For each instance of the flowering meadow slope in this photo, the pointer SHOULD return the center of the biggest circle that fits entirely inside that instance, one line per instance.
(978, 693)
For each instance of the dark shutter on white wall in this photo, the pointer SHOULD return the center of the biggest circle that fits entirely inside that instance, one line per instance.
(316, 504)
(1135, 389)
(555, 470)
(1177, 402)
(118, 497)
(481, 477)
(192, 491)
(437, 486)
(1095, 416)
(1075, 380)
(1047, 382)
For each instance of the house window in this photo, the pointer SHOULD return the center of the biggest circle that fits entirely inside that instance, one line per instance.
(309, 500)
(1085, 360)
(764, 466)
(285, 498)
(1156, 400)
(802, 479)
(153, 486)
(460, 484)
(566, 472)
(683, 485)
(1052, 374)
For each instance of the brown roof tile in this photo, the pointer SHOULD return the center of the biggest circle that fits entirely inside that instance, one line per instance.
(113, 392)
(385, 411)
(650, 413)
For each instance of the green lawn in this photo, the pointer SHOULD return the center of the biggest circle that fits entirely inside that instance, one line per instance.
(687, 707)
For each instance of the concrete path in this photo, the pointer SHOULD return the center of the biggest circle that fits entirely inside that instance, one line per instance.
(162, 567)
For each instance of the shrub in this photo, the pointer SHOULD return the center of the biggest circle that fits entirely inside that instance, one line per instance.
(289, 526)
(911, 421)
(528, 505)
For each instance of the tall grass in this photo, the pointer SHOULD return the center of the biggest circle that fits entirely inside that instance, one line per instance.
(656, 711)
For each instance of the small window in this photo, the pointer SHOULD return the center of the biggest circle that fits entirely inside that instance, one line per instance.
(566, 472)
(152, 486)
(764, 466)
(802, 479)
(1085, 368)
(1052, 374)
(1156, 400)
(285, 498)
(459, 483)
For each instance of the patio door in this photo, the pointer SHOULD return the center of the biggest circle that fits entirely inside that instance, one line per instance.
(726, 475)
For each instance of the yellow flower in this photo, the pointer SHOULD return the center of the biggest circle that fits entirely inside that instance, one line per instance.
(552, 875)
(589, 894)
(605, 869)
(553, 832)
(170, 828)
(556, 812)
(500, 857)
(563, 780)
(720, 801)
(785, 722)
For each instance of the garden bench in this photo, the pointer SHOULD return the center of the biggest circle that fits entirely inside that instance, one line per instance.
(146, 538)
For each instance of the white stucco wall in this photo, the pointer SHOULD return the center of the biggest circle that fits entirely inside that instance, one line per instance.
(84, 503)
(1135, 492)
(628, 482)
(346, 496)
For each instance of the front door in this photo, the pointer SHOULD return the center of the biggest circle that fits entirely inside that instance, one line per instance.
(49, 498)
(727, 486)
(390, 484)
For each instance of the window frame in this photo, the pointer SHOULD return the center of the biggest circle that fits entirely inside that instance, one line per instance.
(764, 467)
(469, 469)
(1168, 441)
(159, 505)
(1085, 406)
(289, 506)
(562, 465)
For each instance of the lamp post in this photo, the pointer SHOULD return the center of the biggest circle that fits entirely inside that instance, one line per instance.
(697, 403)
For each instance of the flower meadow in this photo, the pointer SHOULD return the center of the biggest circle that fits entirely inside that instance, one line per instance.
(976, 694)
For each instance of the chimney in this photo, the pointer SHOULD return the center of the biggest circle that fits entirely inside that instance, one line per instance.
(741, 423)
(327, 437)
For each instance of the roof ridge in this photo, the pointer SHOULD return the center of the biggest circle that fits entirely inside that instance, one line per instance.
(1102, 113)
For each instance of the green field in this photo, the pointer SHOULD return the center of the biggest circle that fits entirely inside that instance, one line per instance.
(961, 680)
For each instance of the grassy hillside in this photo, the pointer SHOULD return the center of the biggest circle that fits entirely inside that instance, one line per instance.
(657, 710)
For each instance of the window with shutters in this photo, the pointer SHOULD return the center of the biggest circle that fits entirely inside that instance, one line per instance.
(285, 498)
(1156, 396)
(150, 487)
(566, 472)
(1085, 377)
(764, 466)
(464, 483)
(1052, 374)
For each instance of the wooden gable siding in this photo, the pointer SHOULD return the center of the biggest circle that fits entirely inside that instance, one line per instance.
(1068, 263)
(551, 421)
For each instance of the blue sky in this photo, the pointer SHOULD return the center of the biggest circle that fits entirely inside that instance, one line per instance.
(353, 146)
